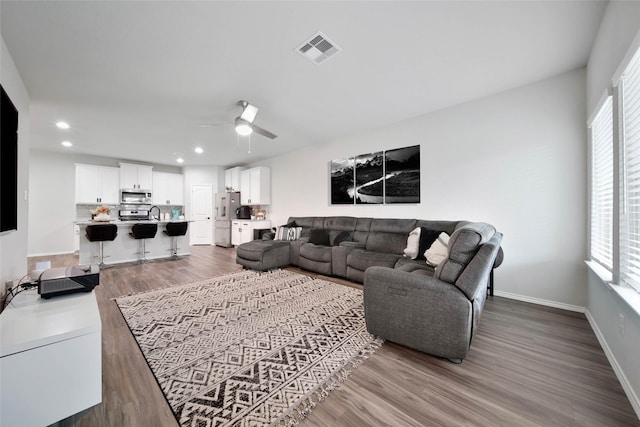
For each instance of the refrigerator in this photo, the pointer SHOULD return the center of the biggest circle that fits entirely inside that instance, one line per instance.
(225, 212)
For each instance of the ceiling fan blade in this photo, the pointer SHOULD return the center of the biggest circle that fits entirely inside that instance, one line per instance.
(263, 132)
(248, 111)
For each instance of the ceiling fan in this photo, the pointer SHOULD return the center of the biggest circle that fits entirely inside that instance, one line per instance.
(244, 122)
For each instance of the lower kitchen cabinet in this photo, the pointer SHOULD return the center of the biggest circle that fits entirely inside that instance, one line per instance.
(243, 230)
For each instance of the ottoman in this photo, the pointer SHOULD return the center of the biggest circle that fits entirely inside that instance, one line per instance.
(263, 255)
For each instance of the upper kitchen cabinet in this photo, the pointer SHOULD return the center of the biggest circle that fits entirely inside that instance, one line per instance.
(168, 189)
(255, 186)
(136, 176)
(232, 178)
(97, 184)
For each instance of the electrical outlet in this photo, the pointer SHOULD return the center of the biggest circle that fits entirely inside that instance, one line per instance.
(621, 324)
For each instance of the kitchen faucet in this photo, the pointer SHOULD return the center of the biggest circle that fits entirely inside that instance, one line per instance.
(151, 216)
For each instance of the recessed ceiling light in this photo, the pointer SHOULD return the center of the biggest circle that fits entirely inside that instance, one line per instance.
(180, 160)
(66, 144)
(63, 125)
(198, 150)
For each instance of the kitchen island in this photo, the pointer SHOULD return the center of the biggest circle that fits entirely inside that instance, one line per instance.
(125, 248)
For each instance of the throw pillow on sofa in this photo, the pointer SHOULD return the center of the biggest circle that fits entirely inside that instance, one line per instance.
(343, 236)
(438, 251)
(427, 237)
(319, 236)
(288, 233)
(419, 240)
(413, 243)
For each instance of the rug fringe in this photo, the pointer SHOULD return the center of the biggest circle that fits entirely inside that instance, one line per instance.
(296, 415)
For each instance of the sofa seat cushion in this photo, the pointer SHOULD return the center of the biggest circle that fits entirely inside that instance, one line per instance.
(411, 266)
(314, 252)
(316, 258)
(255, 249)
(362, 259)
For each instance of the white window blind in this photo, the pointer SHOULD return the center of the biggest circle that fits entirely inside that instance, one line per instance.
(630, 209)
(601, 249)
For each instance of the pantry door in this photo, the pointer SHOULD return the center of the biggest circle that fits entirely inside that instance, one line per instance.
(202, 209)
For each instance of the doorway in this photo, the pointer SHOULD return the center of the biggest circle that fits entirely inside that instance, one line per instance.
(202, 209)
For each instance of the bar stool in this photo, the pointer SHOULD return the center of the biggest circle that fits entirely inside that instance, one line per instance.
(143, 232)
(101, 233)
(175, 229)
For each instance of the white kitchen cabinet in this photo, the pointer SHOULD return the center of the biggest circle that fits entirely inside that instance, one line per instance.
(243, 230)
(134, 176)
(255, 186)
(232, 178)
(168, 189)
(97, 184)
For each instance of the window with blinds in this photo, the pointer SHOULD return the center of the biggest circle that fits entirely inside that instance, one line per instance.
(601, 249)
(629, 89)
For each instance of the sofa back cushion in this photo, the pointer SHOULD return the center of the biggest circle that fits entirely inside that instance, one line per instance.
(362, 230)
(389, 235)
(464, 243)
(337, 226)
(306, 222)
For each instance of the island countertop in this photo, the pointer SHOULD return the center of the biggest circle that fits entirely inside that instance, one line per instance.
(119, 222)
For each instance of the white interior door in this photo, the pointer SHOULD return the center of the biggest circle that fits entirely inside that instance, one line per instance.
(202, 214)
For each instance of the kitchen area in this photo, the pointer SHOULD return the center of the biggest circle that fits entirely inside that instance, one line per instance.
(134, 194)
(125, 196)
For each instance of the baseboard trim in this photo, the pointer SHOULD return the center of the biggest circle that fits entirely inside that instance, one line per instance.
(50, 254)
(622, 378)
(540, 301)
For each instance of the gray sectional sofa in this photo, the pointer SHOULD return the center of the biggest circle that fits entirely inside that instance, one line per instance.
(435, 310)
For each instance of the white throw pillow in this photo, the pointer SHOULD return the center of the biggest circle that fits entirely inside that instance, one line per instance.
(438, 251)
(413, 244)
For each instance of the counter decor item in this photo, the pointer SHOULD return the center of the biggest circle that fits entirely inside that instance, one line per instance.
(100, 214)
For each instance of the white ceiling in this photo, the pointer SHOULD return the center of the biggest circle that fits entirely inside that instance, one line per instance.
(137, 79)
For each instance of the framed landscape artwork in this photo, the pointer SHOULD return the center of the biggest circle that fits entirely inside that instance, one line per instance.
(342, 176)
(369, 177)
(402, 179)
(391, 176)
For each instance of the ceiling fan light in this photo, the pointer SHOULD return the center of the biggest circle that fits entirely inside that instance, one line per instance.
(243, 129)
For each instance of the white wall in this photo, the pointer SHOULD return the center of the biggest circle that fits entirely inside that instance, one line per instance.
(515, 160)
(617, 37)
(52, 208)
(13, 244)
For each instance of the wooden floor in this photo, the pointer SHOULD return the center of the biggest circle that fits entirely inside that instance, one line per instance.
(529, 365)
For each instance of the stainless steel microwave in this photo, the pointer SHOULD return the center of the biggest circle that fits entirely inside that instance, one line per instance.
(135, 197)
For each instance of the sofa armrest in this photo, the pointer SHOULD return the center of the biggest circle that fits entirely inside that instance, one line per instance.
(418, 311)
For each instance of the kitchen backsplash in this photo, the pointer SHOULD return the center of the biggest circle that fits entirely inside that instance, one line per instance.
(83, 212)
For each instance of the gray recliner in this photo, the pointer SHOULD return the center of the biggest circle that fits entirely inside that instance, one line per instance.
(435, 314)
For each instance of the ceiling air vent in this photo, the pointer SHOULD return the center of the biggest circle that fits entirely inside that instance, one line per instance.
(318, 48)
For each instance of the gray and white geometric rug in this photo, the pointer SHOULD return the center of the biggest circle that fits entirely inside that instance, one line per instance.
(249, 348)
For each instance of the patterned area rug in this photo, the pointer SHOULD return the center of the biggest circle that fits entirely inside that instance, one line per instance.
(249, 348)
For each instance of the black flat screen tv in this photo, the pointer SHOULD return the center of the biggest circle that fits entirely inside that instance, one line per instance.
(8, 164)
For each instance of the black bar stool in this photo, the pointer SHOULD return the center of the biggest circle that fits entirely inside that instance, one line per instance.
(175, 229)
(143, 232)
(101, 233)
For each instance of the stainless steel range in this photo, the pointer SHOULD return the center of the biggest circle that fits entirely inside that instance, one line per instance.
(131, 214)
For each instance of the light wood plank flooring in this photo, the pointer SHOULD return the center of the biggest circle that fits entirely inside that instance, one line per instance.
(529, 365)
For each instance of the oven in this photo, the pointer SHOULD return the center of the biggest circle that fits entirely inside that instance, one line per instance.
(133, 214)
